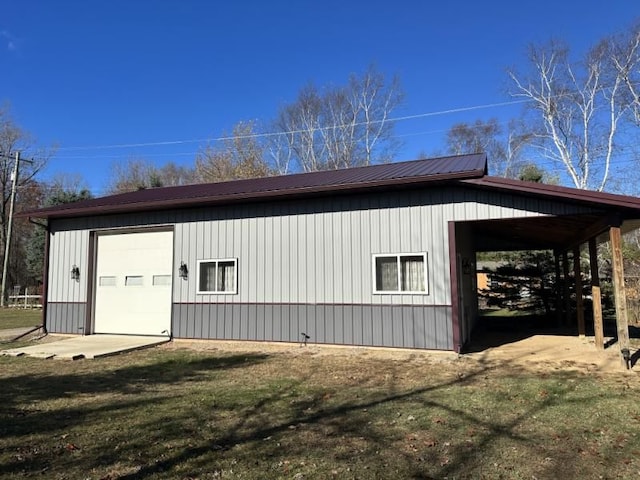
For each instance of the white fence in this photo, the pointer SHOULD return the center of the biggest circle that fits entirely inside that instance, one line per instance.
(25, 300)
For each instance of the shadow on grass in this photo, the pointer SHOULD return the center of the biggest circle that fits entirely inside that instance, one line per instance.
(260, 422)
(16, 391)
(349, 420)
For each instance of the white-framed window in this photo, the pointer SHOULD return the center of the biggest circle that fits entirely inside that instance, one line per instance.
(161, 280)
(218, 276)
(107, 281)
(133, 281)
(400, 273)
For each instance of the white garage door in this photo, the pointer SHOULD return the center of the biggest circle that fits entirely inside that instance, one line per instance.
(133, 283)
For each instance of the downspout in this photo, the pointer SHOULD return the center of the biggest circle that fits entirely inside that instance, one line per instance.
(45, 272)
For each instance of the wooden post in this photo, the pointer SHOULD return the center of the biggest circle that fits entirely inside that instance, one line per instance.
(565, 288)
(596, 296)
(577, 276)
(558, 288)
(622, 321)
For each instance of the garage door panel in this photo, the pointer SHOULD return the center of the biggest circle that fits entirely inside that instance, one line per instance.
(133, 288)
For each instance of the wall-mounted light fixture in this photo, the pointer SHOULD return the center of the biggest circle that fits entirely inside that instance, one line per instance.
(183, 271)
(75, 273)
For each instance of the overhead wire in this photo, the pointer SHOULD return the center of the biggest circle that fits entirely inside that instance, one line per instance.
(291, 132)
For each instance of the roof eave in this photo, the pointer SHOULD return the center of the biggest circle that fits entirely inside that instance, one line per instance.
(589, 197)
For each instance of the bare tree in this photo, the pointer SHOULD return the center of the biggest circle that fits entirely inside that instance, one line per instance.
(578, 108)
(375, 100)
(338, 127)
(279, 152)
(624, 54)
(241, 155)
(65, 182)
(138, 174)
(504, 149)
(300, 124)
(14, 139)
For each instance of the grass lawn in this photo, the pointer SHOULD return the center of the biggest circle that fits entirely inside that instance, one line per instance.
(183, 414)
(19, 317)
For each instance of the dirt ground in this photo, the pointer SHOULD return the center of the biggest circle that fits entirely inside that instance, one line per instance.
(535, 352)
(544, 352)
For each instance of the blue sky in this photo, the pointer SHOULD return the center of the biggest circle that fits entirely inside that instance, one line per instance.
(87, 74)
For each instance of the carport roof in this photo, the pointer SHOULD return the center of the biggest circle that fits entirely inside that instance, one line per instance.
(552, 232)
(537, 233)
(585, 197)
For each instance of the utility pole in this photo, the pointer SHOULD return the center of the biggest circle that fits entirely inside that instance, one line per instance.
(14, 184)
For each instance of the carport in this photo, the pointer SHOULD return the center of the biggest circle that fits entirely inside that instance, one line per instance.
(566, 236)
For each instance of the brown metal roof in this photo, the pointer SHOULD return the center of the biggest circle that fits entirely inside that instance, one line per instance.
(467, 170)
(352, 179)
(574, 195)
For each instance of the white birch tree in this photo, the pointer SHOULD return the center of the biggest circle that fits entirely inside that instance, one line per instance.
(578, 108)
(338, 127)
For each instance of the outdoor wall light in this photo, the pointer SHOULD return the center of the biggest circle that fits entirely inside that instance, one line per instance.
(183, 271)
(75, 273)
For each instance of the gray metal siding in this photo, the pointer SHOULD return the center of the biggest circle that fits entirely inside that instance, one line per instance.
(66, 317)
(370, 325)
(321, 251)
(304, 264)
(312, 251)
(68, 248)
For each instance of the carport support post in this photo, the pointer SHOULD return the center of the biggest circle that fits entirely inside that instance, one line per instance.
(622, 322)
(595, 295)
(577, 276)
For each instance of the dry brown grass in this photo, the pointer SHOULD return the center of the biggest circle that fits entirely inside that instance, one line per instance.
(225, 411)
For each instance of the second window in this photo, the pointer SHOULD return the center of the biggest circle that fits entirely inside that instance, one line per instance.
(400, 273)
(218, 276)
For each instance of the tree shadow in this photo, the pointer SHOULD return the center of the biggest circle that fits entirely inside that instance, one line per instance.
(276, 423)
(30, 389)
(346, 420)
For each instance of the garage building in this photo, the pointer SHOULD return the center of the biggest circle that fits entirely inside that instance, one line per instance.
(379, 255)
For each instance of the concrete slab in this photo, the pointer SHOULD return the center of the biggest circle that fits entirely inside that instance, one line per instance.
(89, 346)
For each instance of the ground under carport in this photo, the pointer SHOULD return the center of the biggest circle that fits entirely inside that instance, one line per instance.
(89, 346)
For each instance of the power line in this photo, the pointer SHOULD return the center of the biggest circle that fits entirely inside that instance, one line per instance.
(116, 156)
(293, 132)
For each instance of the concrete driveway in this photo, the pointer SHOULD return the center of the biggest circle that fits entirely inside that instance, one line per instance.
(89, 346)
